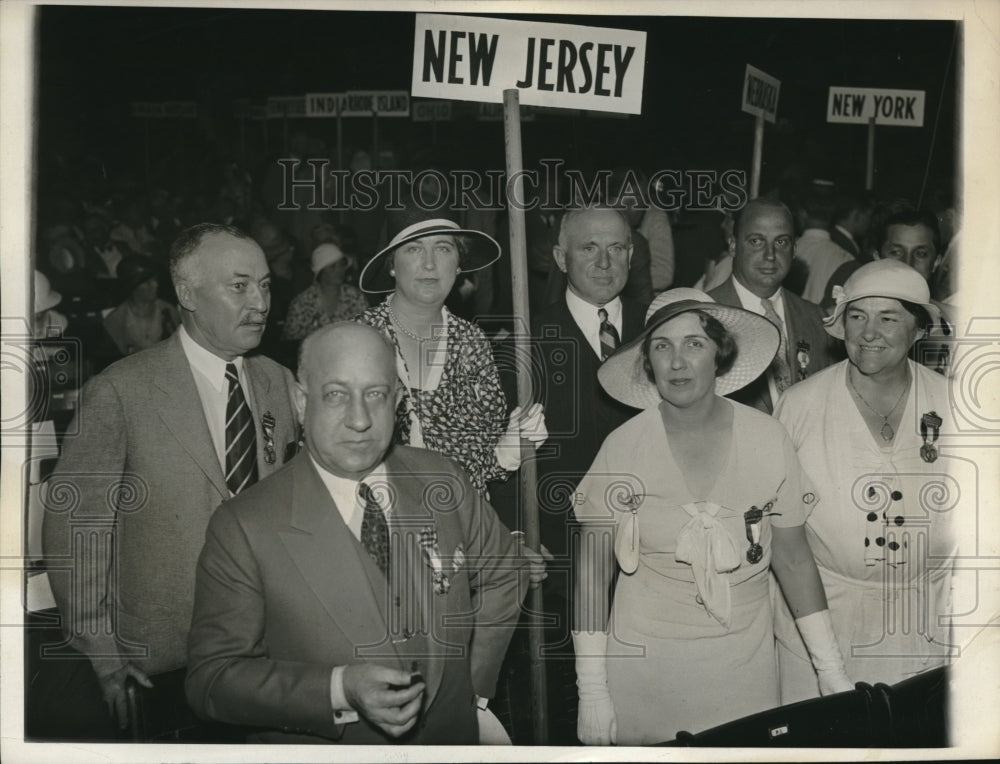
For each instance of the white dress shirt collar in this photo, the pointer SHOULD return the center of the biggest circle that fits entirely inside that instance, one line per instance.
(752, 302)
(344, 493)
(208, 363)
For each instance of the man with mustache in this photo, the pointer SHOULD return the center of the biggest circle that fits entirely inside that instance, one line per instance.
(165, 436)
(762, 246)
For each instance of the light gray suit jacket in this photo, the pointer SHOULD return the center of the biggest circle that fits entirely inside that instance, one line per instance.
(131, 497)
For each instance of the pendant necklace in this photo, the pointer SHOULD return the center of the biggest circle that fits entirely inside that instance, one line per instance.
(886, 430)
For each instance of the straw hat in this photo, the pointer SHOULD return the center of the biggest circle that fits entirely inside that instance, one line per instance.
(45, 296)
(881, 278)
(625, 379)
(412, 224)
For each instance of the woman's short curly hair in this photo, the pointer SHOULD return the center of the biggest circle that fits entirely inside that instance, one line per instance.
(726, 349)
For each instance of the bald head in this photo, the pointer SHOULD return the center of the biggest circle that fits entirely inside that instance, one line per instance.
(346, 397)
(762, 246)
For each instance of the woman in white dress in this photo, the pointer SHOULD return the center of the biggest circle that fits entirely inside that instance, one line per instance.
(883, 530)
(699, 497)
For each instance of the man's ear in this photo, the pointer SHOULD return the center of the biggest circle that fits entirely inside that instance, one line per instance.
(300, 396)
(731, 241)
(185, 295)
(559, 255)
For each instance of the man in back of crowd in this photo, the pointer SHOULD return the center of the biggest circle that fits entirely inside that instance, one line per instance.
(815, 248)
(851, 221)
(763, 245)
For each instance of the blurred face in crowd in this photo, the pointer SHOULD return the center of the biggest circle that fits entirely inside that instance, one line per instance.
(146, 291)
(913, 245)
(225, 291)
(682, 357)
(762, 247)
(878, 334)
(346, 398)
(333, 275)
(594, 251)
(426, 268)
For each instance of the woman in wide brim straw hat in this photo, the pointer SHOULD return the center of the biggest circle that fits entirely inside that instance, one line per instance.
(451, 399)
(702, 495)
(883, 527)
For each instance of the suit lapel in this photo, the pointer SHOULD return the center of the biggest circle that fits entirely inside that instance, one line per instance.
(274, 400)
(179, 407)
(321, 546)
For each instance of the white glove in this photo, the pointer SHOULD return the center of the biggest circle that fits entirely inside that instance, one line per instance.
(817, 633)
(530, 426)
(596, 723)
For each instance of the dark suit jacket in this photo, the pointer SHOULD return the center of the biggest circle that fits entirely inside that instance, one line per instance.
(285, 593)
(579, 414)
(804, 323)
(140, 481)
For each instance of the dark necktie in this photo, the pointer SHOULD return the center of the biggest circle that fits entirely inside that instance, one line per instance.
(374, 529)
(241, 436)
(779, 367)
(608, 335)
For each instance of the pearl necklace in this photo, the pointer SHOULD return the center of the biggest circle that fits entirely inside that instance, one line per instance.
(403, 327)
(887, 432)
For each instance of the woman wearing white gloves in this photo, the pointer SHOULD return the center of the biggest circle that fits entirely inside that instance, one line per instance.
(697, 497)
(885, 528)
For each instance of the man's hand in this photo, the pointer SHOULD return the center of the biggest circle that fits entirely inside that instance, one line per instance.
(113, 690)
(372, 692)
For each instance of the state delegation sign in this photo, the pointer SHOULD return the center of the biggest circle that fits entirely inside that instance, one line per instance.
(888, 107)
(469, 58)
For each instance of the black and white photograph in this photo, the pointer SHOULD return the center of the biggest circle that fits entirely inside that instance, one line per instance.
(499, 381)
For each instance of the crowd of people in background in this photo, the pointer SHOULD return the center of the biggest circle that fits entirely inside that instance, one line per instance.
(819, 261)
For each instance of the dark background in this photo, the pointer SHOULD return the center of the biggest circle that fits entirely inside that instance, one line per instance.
(95, 61)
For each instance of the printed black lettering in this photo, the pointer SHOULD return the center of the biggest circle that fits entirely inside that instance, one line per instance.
(567, 60)
(911, 102)
(621, 66)
(838, 104)
(433, 56)
(602, 68)
(455, 57)
(857, 105)
(481, 56)
(529, 74)
(585, 63)
(544, 64)
(900, 104)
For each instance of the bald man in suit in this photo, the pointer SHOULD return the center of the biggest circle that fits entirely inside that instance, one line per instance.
(364, 594)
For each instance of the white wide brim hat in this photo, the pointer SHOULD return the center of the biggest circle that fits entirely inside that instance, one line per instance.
(880, 278)
(410, 226)
(624, 377)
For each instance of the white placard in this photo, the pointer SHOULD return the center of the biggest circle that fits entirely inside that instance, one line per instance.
(431, 111)
(384, 103)
(888, 107)
(469, 58)
(324, 104)
(286, 106)
(760, 93)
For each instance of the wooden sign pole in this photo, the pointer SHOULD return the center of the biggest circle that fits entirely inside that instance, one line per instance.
(528, 499)
(870, 169)
(758, 148)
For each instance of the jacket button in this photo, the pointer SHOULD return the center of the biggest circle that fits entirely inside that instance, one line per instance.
(698, 599)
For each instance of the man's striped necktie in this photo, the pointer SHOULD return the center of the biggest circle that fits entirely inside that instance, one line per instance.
(608, 335)
(241, 436)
